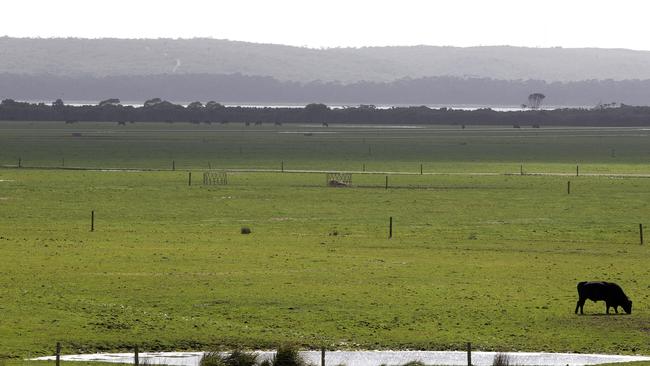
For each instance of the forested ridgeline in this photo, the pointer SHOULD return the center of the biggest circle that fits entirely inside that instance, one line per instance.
(240, 88)
(157, 110)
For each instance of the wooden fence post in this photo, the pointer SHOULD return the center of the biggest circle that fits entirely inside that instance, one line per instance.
(282, 166)
(386, 182)
(420, 169)
(469, 353)
(322, 356)
(521, 169)
(20, 162)
(189, 178)
(92, 220)
(390, 227)
(173, 165)
(568, 187)
(577, 170)
(136, 356)
(364, 167)
(58, 353)
(641, 233)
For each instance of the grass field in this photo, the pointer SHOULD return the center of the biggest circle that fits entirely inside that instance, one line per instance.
(489, 259)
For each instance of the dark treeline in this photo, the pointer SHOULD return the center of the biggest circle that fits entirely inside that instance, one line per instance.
(237, 88)
(157, 110)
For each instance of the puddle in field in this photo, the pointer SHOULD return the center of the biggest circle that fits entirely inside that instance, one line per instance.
(372, 358)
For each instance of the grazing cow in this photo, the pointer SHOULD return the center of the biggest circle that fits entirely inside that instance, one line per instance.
(609, 292)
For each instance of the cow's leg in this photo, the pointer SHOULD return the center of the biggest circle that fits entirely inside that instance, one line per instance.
(580, 305)
(616, 308)
(607, 307)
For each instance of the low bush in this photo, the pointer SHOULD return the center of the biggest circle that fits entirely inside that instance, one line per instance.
(235, 358)
(212, 358)
(240, 358)
(502, 359)
(287, 355)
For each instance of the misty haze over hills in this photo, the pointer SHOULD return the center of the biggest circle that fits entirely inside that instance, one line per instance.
(205, 69)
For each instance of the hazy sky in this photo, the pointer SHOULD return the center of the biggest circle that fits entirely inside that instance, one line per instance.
(334, 23)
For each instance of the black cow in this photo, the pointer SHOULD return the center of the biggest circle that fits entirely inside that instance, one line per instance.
(609, 292)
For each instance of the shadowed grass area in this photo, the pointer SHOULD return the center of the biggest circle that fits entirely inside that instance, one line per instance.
(499, 149)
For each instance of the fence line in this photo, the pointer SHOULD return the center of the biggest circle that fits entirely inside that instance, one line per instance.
(318, 171)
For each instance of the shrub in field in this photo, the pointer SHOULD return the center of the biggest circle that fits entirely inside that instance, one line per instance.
(240, 358)
(212, 358)
(245, 230)
(287, 355)
(502, 359)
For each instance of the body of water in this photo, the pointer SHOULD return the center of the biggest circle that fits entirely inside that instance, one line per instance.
(372, 358)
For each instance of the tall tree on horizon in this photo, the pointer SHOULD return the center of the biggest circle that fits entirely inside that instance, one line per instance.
(535, 100)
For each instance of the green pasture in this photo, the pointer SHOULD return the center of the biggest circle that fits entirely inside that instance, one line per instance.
(489, 259)
(492, 260)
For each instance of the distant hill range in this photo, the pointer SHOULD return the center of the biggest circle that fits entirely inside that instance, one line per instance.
(105, 57)
(229, 71)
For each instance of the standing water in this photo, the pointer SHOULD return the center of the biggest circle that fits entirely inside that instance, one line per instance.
(372, 358)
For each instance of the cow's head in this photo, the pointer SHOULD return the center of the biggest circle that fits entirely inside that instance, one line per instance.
(627, 306)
